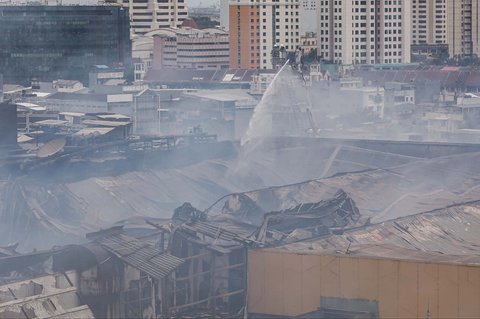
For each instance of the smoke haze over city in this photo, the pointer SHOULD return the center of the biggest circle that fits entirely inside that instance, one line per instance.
(242, 159)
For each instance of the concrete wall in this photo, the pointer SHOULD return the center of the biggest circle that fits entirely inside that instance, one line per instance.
(289, 284)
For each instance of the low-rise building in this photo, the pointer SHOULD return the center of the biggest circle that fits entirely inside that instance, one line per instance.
(67, 85)
(261, 81)
(194, 78)
(399, 93)
(191, 48)
(308, 42)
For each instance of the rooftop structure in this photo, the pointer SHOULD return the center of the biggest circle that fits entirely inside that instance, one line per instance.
(448, 78)
(192, 78)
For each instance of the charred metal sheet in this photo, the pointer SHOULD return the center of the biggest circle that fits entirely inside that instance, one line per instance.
(446, 235)
(21, 262)
(51, 296)
(216, 232)
(310, 220)
(140, 255)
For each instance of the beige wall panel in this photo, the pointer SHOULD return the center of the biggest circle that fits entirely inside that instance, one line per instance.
(274, 283)
(448, 291)
(427, 290)
(348, 269)
(292, 279)
(256, 281)
(469, 298)
(283, 283)
(329, 273)
(311, 284)
(368, 279)
(388, 288)
(407, 290)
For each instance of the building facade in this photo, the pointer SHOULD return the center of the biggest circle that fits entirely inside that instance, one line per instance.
(256, 27)
(364, 32)
(147, 15)
(191, 48)
(429, 22)
(61, 42)
(463, 34)
(308, 16)
(443, 22)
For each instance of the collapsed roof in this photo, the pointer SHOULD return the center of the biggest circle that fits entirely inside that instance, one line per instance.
(445, 235)
(52, 296)
(383, 185)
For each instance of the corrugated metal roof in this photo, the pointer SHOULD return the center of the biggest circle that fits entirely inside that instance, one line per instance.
(216, 232)
(93, 130)
(105, 123)
(447, 235)
(94, 97)
(140, 255)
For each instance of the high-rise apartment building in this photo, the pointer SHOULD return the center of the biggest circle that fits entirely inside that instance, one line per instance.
(449, 22)
(364, 32)
(429, 21)
(147, 15)
(256, 26)
(463, 30)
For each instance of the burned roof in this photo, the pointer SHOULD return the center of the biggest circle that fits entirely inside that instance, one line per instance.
(245, 224)
(140, 255)
(64, 212)
(444, 235)
(310, 220)
(51, 296)
(216, 232)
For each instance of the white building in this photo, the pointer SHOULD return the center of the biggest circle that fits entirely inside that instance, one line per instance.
(190, 48)
(364, 32)
(308, 16)
(147, 15)
(67, 85)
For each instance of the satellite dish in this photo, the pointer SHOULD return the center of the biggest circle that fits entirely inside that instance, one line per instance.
(51, 148)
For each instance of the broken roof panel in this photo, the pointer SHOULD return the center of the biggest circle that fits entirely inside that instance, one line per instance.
(444, 235)
(51, 296)
(140, 255)
(216, 232)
